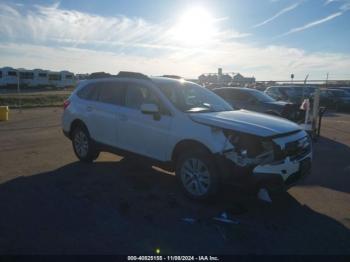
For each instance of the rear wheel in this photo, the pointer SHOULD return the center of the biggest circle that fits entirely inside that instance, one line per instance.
(198, 175)
(83, 147)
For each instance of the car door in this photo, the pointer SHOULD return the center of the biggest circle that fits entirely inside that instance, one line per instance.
(104, 113)
(141, 133)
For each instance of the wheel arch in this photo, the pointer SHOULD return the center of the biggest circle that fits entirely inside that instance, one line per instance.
(77, 122)
(186, 144)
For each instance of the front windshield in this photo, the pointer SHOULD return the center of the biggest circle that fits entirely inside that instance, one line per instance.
(262, 97)
(190, 97)
(290, 91)
(298, 91)
(339, 93)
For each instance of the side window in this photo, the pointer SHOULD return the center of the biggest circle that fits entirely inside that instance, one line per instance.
(242, 96)
(269, 91)
(225, 94)
(136, 95)
(112, 93)
(88, 92)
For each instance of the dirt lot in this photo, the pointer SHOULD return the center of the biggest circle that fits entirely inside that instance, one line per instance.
(50, 203)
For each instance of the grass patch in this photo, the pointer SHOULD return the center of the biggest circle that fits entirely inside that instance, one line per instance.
(27, 101)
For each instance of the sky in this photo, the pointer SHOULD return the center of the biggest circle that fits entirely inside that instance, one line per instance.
(268, 39)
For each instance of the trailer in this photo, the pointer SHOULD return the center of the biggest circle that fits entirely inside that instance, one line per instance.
(10, 78)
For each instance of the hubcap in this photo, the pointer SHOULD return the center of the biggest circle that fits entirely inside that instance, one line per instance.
(195, 176)
(81, 144)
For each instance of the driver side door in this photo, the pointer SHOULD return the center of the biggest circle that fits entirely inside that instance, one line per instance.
(141, 133)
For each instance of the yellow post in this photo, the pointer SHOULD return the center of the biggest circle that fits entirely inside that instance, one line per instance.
(4, 113)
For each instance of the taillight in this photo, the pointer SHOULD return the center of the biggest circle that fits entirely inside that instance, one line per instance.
(66, 104)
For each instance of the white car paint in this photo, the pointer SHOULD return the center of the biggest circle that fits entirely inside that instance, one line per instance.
(132, 130)
(248, 122)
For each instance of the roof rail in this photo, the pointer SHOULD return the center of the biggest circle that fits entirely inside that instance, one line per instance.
(132, 75)
(173, 76)
(97, 75)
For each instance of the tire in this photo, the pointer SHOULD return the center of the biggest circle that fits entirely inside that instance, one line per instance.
(198, 175)
(83, 146)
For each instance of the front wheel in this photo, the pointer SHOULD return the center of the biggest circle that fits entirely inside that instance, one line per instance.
(198, 175)
(83, 146)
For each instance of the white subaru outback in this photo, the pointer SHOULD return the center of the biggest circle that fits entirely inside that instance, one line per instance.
(185, 127)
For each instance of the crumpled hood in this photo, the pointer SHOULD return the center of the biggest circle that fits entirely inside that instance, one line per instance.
(246, 122)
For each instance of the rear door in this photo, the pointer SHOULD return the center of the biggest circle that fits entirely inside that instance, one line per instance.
(104, 113)
(142, 133)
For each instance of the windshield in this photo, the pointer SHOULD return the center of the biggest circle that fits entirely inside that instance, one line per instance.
(298, 91)
(289, 91)
(262, 97)
(190, 97)
(339, 93)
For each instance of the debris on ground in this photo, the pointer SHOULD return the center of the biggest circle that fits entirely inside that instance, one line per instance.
(221, 231)
(225, 219)
(264, 195)
(189, 220)
(123, 206)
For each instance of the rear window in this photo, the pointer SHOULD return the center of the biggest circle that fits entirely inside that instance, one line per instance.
(88, 92)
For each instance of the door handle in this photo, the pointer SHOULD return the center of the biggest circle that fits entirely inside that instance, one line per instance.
(89, 108)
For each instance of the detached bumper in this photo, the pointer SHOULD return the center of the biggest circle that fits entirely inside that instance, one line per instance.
(284, 174)
(277, 176)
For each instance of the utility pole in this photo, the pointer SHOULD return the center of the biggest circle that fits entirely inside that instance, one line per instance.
(327, 80)
(19, 91)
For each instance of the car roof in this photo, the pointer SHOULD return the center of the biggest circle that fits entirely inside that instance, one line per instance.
(291, 86)
(155, 79)
(167, 80)
(237, 88)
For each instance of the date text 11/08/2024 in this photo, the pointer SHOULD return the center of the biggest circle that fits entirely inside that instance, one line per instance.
(173, 258)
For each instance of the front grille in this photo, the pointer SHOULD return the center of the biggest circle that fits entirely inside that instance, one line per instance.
(295, 149)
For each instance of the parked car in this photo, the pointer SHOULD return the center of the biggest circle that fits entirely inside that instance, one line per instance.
(254, 100)
(293, 94)
(184, 127)
(337, 99)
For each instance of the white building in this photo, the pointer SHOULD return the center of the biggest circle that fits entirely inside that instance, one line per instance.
(8, 76)
(35, 78)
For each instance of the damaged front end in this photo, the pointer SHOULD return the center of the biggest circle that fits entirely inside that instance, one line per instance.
(282, 159)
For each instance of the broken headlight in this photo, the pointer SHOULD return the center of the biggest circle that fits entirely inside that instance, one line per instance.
(249, 149)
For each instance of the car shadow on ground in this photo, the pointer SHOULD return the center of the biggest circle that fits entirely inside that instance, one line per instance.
(126, 207)
(331, 165)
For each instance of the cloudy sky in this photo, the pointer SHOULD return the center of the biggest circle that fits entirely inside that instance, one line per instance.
(269, 39)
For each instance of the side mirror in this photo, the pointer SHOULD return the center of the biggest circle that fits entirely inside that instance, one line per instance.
(151, 109)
